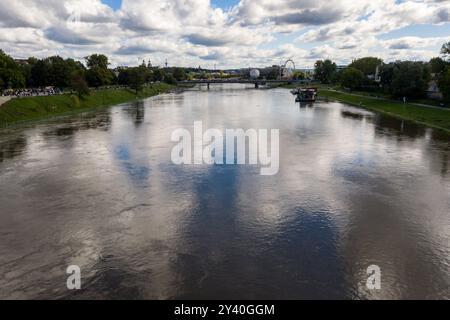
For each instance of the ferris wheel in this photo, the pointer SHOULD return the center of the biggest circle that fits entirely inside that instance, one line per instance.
(287, 69)
(291, 63)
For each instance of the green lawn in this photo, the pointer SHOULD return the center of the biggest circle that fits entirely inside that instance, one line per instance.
(433, 117)
(35, 108)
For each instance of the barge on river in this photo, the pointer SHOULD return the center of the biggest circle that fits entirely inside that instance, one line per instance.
(305, 94)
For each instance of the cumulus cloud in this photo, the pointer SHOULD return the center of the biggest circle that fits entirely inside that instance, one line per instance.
(64, 35)
(299, 12)
(310, 17)
(193, 32)
(387, 16)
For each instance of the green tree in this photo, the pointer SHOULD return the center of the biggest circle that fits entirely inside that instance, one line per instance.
(368, 65)
(409, 79)
(169, 79)
(13, 78)
(438, 66)
(147, 73)
(32, 60)
(444, 85)
(325, 71)
(97, 60)
(60, 71)
(52, 71)
(97, 77)
(113, 79)
(98, 74)
(6, 62)
(445, 51)
(79, 84)
(136, 78)
(386, 76)
(40, 74)
(273, 74)
(158, 75)
(26, 71)
(124, 77)
(298, 75)
(179, 74)
(11, 75)
(352, 78)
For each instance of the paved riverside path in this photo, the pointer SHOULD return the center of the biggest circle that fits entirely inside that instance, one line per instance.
(4, 99)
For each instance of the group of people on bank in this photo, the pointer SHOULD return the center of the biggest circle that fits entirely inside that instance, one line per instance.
(33, 92)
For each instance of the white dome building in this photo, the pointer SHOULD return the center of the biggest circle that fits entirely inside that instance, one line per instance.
(254, 74)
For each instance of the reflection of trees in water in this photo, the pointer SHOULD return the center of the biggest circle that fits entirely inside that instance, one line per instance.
(67, 128)
(441, 136)
(61, 132)
(351, 115)
(61, 128)
(440, 151)
(445, 162)
(12, 148)
(306, 105)
(100, 121)
(136, 111)
(399, 128)
(438, 147)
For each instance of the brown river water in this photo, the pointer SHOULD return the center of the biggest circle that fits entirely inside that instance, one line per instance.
(99, 190)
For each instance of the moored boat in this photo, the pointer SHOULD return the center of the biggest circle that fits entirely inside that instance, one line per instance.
(305, 94)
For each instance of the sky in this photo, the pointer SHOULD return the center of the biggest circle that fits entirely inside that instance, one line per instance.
(225, 33)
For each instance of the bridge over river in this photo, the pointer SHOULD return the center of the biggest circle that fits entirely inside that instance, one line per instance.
(256, 82)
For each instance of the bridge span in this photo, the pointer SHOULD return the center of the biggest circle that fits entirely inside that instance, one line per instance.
(256, 82)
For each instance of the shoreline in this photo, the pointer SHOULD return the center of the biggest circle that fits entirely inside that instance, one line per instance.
(431, 116)
(33, 109)
(15, 112)
(436, 118)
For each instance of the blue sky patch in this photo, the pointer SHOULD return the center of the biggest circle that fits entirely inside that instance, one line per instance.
(224, 4)
(115, 4)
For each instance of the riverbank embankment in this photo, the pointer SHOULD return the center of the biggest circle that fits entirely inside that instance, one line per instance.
(38, 108)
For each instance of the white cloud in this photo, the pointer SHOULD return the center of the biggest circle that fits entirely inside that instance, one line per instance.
(387, 17)
(192, 32)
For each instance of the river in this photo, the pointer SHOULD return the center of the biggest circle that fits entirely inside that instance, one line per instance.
(99, 190)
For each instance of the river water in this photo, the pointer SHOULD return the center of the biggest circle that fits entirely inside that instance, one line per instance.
(99, 190)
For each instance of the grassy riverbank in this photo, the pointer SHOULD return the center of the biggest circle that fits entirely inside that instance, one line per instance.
(433, 117)
(36, 108)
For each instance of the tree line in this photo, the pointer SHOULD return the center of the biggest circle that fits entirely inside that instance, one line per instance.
(398, 79)
(68, 73)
